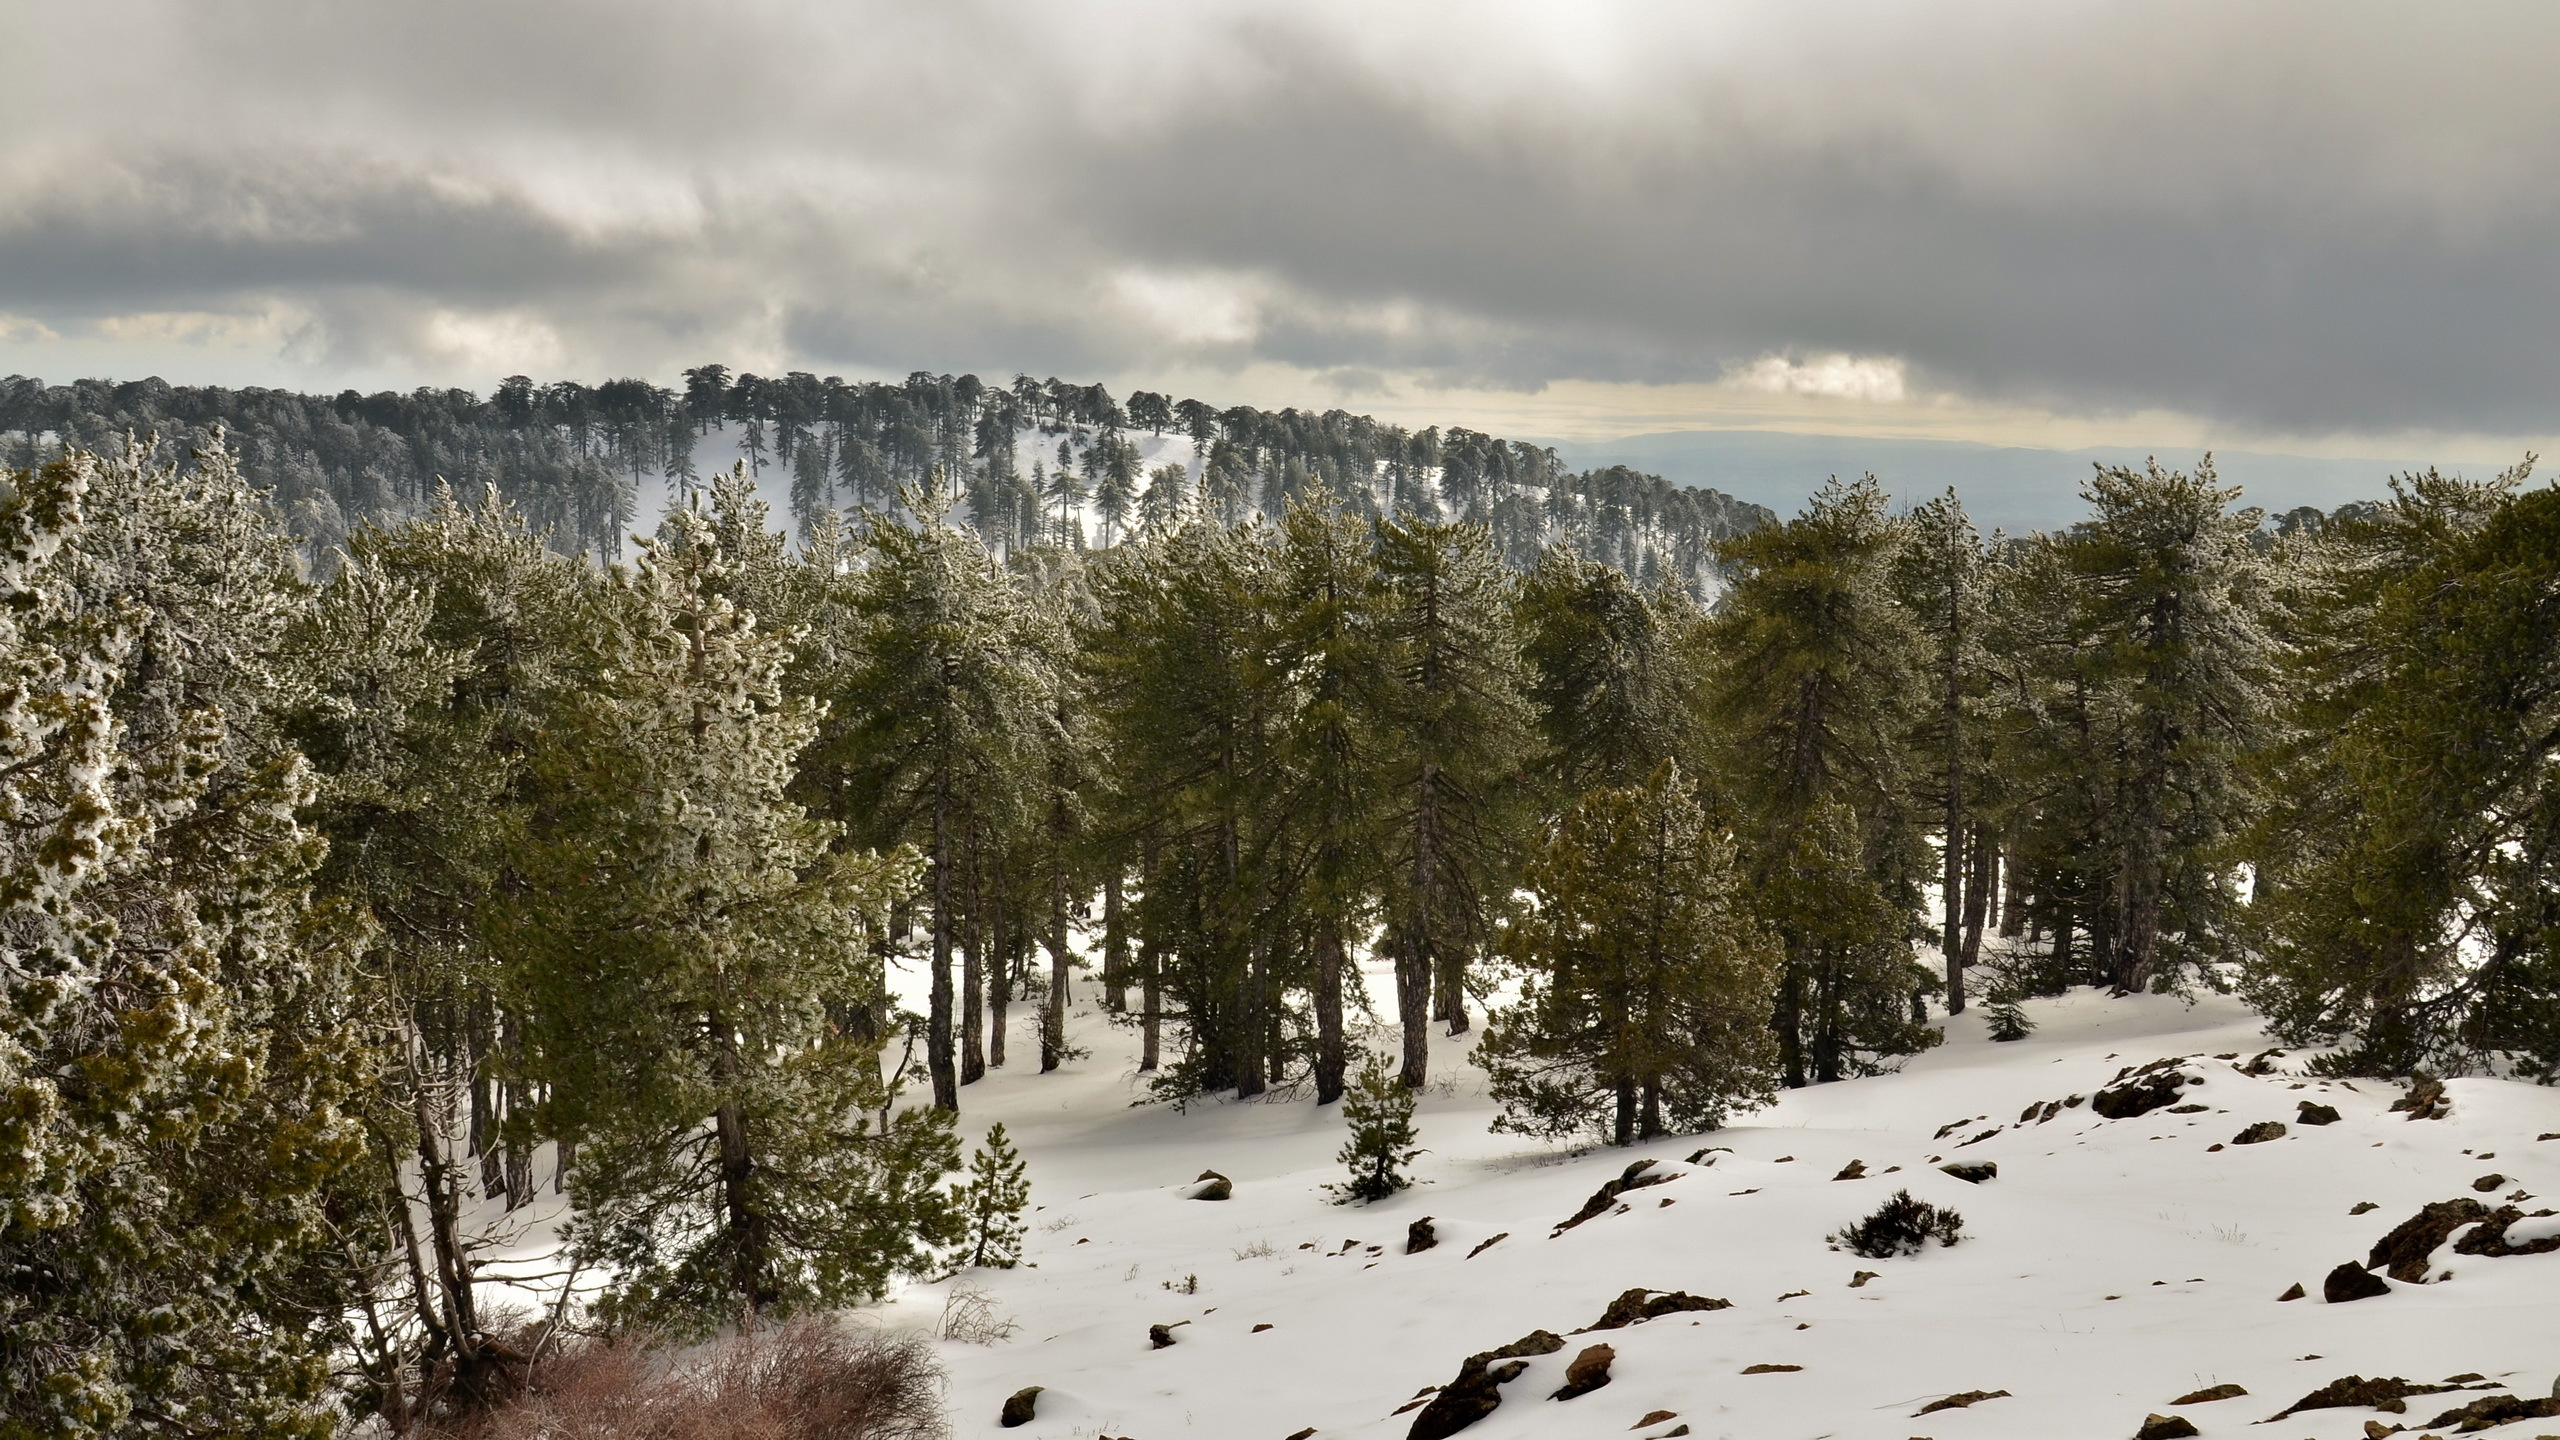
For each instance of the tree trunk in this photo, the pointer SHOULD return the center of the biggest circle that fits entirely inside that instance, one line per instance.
(973, 975)
(1452, 980)
(1978, 890)
(1650, 1122)
(1053, 1015)
(1950, 938)
(749, 1236)
(1250, 1027)
(1623, 1130)
(2013, 902)
(946, 1081)
(1000, 972)
(1331, 1059)
(1150, 1006)
(1789, 1023)
(1115, 944)
(1414, 955)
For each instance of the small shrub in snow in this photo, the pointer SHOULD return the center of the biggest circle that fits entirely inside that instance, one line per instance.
(806, 1380)
(1380, 1112)
(970, 1317)
(1901, 1226)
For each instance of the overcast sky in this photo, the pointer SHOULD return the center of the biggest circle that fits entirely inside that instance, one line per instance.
(2322, 225)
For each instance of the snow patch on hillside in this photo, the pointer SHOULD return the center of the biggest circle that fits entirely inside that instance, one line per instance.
(2111, 1267)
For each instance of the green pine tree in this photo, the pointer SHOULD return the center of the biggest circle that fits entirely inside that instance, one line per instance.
(2171, 589)
(1815, 694)
(1646, 980)
(991, 1203)
(684, 938)
(2407, 896)
(1456, 735)
(1379, 1110)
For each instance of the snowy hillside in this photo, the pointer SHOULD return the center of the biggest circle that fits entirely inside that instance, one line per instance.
(2111, 1267)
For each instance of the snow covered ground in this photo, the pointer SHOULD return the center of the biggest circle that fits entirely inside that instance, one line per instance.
(2111, 1267)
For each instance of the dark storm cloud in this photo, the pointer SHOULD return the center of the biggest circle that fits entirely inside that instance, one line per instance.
(2311, 217)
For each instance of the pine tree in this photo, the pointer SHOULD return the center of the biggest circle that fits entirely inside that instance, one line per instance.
(684, 938)
(1610, 675)
(1379, 1110)
(931, 731)
(437, 657)
(991, 1203)
(2169, 585)
(1189, 704)
(2407, 901)
(180, 1055)
(1939, 580)
(1646, 981)
(1328, 639)
(1815, 693)
(1167, 497)
(1456, 736)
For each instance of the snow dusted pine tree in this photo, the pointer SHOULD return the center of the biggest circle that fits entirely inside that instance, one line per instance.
(685, 933)
(1379, 1110)
(177, 1062)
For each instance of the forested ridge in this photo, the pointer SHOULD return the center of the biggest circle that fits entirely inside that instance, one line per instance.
(1027, 462)
(343, 898)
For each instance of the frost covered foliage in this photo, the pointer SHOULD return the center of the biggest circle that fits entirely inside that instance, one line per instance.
(176, 1057)
(1379, 1110)
(686, 939)
(1901, 1226)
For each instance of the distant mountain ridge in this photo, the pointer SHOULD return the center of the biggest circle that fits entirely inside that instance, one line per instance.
(579, 459)
(2016, 488)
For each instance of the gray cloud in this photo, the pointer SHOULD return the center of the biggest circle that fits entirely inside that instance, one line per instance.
(2313, 217)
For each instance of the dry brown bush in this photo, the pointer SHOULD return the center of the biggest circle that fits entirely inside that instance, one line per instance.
(809, 1379)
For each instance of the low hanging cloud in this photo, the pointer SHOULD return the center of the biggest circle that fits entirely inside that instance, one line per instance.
(2317, 217)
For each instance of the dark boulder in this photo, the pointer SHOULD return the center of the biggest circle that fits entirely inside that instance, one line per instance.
(1972, 1172)
(1477, 1392)
(2491, 1410)
(2403, 1253)
(2351, 1281)
(2316, 1114)
(1020, 1407)
(1588, 1372)
(2141, 1091)
(2260, 1133)
(2387, 1393)
(2165, 1427)
(2489, 1237)
(1634, 1307)
(1632, 1178)
(1419, 1236)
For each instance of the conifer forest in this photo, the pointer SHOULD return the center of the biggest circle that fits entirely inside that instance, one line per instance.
(394, 839)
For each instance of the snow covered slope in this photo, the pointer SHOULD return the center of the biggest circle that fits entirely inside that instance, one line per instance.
(2110, 1268)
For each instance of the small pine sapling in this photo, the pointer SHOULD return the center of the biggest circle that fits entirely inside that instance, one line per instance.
(2002, 1013)
(1379, 1110)
(992, 1202)
(1901, 1226)
(2006, 1019)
